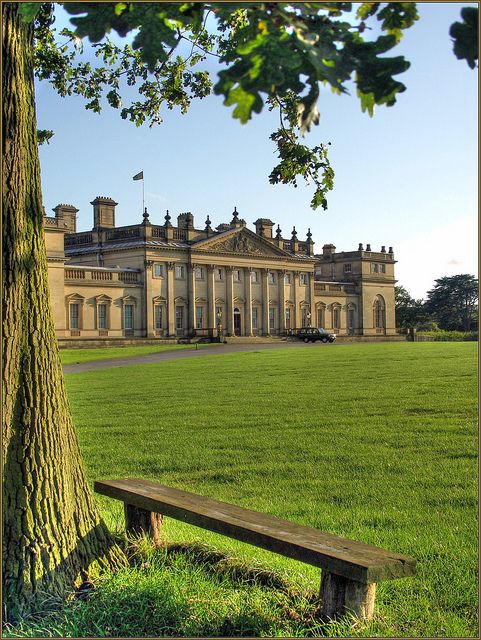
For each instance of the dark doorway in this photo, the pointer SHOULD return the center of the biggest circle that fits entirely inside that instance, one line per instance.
(237, 322)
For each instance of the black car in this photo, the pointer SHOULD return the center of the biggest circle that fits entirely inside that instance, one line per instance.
(311, 334)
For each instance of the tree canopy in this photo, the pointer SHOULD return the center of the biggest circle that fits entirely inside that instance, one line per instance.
(409, 312)
(453, 302)
(273, 55)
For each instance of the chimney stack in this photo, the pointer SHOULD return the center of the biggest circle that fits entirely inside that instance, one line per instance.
(104, 212)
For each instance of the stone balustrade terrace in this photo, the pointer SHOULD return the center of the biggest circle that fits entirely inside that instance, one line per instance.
(102, 274)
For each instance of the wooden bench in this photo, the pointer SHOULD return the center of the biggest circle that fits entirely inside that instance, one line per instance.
(350, 570)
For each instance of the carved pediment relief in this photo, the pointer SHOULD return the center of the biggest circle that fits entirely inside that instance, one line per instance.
(241, 241)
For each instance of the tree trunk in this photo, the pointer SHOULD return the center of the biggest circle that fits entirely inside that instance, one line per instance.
(53, 536)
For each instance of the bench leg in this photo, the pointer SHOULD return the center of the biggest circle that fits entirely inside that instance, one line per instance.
(139, 521)
(340, 595)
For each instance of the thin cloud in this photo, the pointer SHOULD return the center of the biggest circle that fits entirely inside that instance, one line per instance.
(454, 262)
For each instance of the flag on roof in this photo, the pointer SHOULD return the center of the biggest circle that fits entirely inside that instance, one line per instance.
(139, 176)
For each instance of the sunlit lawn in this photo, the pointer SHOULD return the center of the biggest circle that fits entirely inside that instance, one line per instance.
(76, 356)
(373, 442)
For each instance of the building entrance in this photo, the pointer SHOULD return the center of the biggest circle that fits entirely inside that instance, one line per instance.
(237, 322)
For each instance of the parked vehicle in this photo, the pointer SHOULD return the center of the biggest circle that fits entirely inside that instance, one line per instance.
(311, 334)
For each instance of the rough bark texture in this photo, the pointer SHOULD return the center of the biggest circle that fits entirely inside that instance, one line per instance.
(53, 536)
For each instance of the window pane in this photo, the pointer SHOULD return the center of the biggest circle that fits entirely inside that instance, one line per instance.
(129, 316)
(199, 316)
(179, 271)
(158, 316)
(218, 274)
(158, 270)
(255, 318)
(74, 314)
(253, 276)
(272, 315)
(179, 317)
(102, 316)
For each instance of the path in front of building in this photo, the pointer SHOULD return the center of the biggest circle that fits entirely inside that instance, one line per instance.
(215, 350)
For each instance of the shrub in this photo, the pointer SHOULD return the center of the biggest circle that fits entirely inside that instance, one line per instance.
(450, 336)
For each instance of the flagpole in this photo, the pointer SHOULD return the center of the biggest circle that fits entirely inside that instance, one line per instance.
(143, 194)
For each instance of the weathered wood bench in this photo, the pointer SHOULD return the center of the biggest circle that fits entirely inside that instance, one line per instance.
(350, 570)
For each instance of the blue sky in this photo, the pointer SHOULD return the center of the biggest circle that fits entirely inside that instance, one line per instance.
(405, 178)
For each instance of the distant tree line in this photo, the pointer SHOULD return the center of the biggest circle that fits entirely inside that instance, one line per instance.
(451, 305)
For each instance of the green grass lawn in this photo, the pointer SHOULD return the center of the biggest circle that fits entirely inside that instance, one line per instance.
(76, 356)
(375, 442)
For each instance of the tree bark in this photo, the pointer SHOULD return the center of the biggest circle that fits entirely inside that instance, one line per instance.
(53, 536)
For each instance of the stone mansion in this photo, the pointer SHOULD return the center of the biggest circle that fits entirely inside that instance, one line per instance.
(163, 281)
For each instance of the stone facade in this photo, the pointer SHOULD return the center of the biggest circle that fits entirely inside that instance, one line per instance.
(165, 281)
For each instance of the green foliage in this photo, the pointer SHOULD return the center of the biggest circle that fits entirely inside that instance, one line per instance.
(465, 36)
(29, 10)
(272, 54)
(453, 302)
(450, 336)
(44, 135)
(409, 312)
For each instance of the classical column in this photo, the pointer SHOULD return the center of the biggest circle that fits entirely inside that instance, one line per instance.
(265, 302)
(312, 300)
(248, 297)
(191, 307)
(296, 320)
(282, 301)
(230, 301)
(211, 297)
(148, 308)
(170, 299)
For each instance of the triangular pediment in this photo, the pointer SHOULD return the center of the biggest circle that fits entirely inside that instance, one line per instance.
(241, 242)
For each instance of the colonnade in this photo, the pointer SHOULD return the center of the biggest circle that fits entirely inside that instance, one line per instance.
(230, 295)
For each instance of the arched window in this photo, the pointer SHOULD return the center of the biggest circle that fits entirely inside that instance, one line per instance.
(379, 314)
(351, 317)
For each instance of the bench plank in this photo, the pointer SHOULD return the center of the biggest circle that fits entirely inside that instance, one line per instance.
(353, 560)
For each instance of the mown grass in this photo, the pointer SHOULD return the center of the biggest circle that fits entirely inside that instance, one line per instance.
(373, 442)
(76, 356)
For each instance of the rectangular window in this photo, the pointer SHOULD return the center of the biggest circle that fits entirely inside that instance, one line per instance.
(179, 317)
(129, 316)
(179, 271)
(270, 278)
(74, 316)
(254, 276)
(218, 315)
(237, 275)
(272, 318)
(158, 270)
(382, 268)
(158, 317)
(336, 318)
(255, 318)
(304, 317)
(374, 268)
(320, 317)
(347, 268)
(199, 273)
(287, 278)
(199, 317)
(288, 318)
(102, 316)
(303, 279)
(218, 274)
